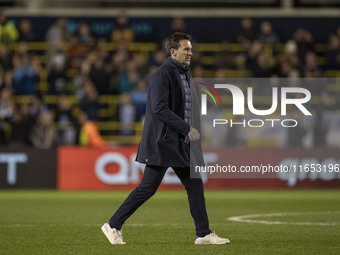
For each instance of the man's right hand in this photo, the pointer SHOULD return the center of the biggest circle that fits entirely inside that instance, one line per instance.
(193, 134)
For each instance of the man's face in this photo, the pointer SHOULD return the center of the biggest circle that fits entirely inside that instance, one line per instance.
(183, 54)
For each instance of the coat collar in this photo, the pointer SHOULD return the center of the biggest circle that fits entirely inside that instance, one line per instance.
(181, 69)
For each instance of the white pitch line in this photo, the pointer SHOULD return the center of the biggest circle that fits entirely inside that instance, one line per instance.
(17, 225)
(245, 218)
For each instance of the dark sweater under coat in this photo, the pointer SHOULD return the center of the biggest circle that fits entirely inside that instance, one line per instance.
(163, 138)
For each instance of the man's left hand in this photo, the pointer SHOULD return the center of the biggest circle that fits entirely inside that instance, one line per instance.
(193, 134)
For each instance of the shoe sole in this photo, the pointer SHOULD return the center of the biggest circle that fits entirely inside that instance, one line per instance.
(224, 242)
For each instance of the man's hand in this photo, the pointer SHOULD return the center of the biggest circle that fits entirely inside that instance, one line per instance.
(193, 134)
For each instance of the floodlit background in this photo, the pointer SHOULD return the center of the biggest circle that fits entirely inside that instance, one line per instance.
(60, 59)
(73, 81)
(74, 74)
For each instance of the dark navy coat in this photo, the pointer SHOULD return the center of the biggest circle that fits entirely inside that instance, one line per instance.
(164, 131)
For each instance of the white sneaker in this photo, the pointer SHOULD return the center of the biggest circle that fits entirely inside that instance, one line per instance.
(212, 238)
(115, 236)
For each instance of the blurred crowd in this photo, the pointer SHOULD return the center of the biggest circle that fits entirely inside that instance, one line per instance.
(80, 64)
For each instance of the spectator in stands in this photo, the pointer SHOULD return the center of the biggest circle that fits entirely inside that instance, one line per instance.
(122, 32)
(262, 67)
(304, 42)
(198, 72)
(7, 81)
(101, 76)
(138, 97)
(267, 35)
(63, 111)
(287, 63)
(65, 121)
(21, 125)
(220, 73)
(101, 50)
(57, 79)
(265, 62)
(333, 53)
(311, 68)
(2, 77)
(86, 65)
(8, 31)
(26, 33)
(44, 131)
(22, 49)
(6, 114)
(127, 78)
(56, 54)
(253, 51)
(89, 102)
(27, 75)
(225, 58)
(287, 70)
(127, 115)
(5, 58)
(157, 58)
(36, 107)
(57, 33)
(258, 62)
(178, 25)
(150, 72)
(89, 134)
(118, 64)
(76, 53)
(138, 61)
(75, 84)
(247, 32)
(84, 34)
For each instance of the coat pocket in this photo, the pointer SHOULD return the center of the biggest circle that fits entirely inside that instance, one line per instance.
(164, 132)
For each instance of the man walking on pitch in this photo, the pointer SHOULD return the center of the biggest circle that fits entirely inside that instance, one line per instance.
(165, 143)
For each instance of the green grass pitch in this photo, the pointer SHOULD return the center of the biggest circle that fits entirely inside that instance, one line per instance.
(51, 222)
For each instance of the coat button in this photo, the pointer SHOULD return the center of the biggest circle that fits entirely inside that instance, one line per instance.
(146, 160)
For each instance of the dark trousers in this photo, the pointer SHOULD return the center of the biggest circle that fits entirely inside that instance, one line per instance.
(152, 178)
